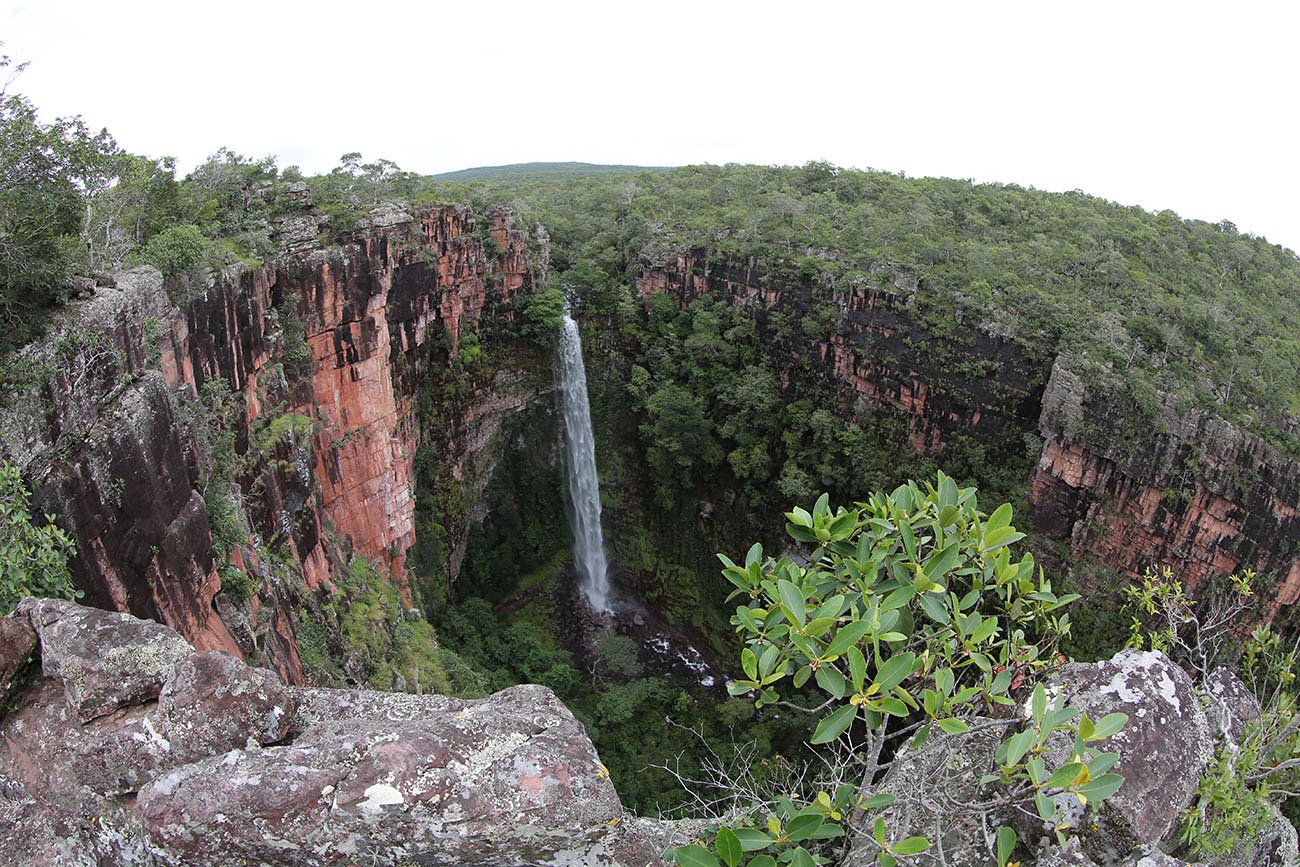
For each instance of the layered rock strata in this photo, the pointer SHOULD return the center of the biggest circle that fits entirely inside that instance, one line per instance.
(1196, 491)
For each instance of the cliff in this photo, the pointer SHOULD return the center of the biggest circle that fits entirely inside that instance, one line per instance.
(1193, 491)
(878, 352)
(1197, 492)
(312, 364)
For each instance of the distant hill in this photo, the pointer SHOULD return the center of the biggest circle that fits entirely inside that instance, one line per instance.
(551, 170)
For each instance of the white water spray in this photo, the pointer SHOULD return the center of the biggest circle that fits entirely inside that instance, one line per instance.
(584, 484)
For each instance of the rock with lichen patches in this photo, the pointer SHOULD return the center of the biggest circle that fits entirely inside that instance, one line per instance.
(511, 779)
(1163, 749)
(17, 644)
(212, 703)
(104, 660)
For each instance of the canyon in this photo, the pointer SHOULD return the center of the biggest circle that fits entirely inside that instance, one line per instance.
(111, 437)
(359, 428)
(1189, 490)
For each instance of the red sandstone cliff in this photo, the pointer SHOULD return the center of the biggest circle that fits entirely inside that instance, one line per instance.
(107, 445)
(1198, 493)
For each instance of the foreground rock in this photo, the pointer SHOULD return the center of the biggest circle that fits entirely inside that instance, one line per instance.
(1167, 744)
(125, 748)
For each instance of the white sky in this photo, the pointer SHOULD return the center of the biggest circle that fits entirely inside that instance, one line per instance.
(1181, 105)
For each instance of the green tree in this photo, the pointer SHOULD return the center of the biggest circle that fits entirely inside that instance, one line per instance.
(48, 175)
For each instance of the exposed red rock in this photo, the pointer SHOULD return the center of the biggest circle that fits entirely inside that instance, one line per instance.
(1200, 493)
(120, 468)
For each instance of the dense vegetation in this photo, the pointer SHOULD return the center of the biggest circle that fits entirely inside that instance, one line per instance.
(701, 417)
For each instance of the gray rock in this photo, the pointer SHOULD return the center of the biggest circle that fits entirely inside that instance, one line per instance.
(1229, 705)
(104, 660)
(511, 779)
(1163, 750)
(931, 785)
(1069, 855)
(212, 703)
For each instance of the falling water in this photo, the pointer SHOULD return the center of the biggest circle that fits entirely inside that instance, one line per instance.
(584, 485)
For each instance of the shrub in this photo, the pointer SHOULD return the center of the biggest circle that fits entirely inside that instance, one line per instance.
(176, 249)
(909, 614)
(33, 557)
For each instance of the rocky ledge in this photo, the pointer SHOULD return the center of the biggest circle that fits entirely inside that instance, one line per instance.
(124, 745)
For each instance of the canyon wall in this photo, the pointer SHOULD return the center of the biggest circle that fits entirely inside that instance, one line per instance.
(1193, 491)
(878, 353)
(313, 363)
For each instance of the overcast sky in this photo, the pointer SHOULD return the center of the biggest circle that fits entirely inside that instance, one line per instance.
(1181, 105)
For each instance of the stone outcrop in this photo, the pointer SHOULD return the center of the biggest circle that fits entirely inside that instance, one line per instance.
(216, 763)
(1163, 750)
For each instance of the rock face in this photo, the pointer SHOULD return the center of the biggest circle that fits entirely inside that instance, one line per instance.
(324, 353)
(1196, 491)
(1189, 488)
(880, 354)
(216, 763)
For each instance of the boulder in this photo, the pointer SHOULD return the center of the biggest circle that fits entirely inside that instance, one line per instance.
(212, 703)
(932, 785)
(105, 660)
(1163, 749)
(511, 779)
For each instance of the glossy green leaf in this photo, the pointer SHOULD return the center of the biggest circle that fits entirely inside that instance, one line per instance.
(752, 839)
(1017, 745)
(830, 680)
(911, 846)
(1102, 787)
(1000, 518)
(857, 668)
(728, 846)
(694, 856)
(1108, 725)
(848, 635)
(834, 724)
(1006, 845)
(802, 858)
(895, 670)
(1064, 775)
(803, 826)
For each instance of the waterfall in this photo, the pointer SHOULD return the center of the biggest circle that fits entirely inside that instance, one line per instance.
(584, 485)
